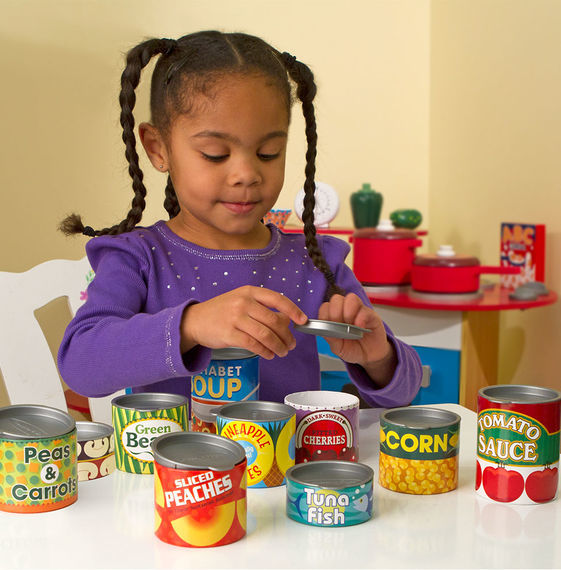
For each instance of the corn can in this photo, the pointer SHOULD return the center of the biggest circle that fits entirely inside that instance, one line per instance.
(199, 489)
(329, 493)
(231, 376)
(266, 432)
(419, 450)
(140, 418)
(37, 459)
(518, 443)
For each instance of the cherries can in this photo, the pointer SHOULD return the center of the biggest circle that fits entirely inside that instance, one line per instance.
(199, 489)
(518, 443)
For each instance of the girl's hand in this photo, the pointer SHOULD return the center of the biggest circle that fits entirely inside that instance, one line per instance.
(243, 318)
(373, 351)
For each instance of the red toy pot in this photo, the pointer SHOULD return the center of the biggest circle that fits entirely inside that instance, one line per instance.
(384, 257)
(449, 273)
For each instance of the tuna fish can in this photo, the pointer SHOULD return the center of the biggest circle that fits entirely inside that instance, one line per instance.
(96, 450)
(138, 419)
(419, 450)
(518, 443)
(231, 376)
(37, 459)
(329, 493)
(326, 425)
(200, 489)
(266, 432)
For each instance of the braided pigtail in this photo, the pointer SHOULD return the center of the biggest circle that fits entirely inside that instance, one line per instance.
(137, 59)
(171, 204)
(306, 91)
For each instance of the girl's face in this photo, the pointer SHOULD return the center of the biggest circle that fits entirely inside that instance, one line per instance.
(226, 159)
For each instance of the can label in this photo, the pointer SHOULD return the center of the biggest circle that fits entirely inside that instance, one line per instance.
(517, 451)
(419, 462)
(223, 381)
(200, 508)
(329, 507)
(96, 458)
(269, 447)
(135, 430)
(38, 475)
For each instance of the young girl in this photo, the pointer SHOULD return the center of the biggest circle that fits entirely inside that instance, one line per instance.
(213, 275)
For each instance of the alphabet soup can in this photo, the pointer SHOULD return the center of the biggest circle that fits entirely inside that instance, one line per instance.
(419, 450)
(199, 489)
(518, 443)
(37, 459)
(266, 431)
(140, 418)
(231, 376)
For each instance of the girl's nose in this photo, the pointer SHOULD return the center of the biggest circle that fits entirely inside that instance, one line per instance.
(245, 172)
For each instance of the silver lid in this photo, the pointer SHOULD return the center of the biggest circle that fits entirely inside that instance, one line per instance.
(88, 431)
(330, 474)
(197, 450)
(256, 411)
(331, 329)
(519, 394)
(231, 353)
(148, 401)
(420, 418)
(34, 422)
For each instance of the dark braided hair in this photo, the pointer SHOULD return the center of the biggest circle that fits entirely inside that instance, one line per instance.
(192, 65)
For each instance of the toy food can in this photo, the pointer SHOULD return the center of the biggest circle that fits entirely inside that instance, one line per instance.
(329, 493)
(95, 450)
(266, 432)
(231, 376)
(140, 418)
(37, 459)
(419, 450)
(200, 489)
(518, 443)
(326, 425)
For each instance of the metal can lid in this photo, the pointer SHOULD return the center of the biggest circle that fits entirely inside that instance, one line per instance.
(420, 418)
(331, 329)
(148, 401)
(231, 353)
(197, 450)
(256, 411)
(34, 422)
(519, 394)
(330, 474)
(88, 431)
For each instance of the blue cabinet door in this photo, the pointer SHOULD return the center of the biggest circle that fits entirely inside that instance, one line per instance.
(444, 381)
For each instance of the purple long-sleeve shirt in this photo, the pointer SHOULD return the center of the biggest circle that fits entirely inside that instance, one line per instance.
(127, 334)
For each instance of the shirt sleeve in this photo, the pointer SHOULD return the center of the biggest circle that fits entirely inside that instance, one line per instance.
(407, 378)
(112, 343)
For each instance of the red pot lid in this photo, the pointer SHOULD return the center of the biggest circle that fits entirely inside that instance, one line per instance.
(446, 257)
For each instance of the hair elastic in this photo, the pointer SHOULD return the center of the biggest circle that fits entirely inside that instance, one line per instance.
(88, 231)
(169, 46)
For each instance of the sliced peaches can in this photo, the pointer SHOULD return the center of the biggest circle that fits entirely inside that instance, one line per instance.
(200, 484)
(419, 449)
(518, 443)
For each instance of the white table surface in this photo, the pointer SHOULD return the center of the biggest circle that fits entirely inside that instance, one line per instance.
(111, 526)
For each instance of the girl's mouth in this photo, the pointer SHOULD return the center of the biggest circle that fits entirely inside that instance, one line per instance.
(239, 207)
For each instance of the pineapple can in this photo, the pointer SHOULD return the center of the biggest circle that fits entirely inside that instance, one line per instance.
(266, 432)
(38, 466)
(138, 419)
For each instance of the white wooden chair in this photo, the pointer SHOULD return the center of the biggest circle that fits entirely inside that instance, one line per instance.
(27, 365)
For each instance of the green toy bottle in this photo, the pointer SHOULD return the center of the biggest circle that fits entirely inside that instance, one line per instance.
(366, 205)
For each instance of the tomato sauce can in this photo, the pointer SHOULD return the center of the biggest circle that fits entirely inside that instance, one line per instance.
(326, 425)
(266, 432)
(231, 376)
(518, 443)
(140, 418)
(37, 459)
(329, 493)
(199, 489)
(419, 449)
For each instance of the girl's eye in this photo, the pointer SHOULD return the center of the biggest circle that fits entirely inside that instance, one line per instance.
(266, 156)
(215, 157)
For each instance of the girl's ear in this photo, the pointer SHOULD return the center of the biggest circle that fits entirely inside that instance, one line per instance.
(154, 146)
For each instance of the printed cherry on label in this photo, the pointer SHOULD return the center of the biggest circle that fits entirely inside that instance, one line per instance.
(502, 485)
(541, 486)
(477, 475)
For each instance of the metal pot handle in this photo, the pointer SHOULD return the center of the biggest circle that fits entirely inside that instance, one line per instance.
(503, 270)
